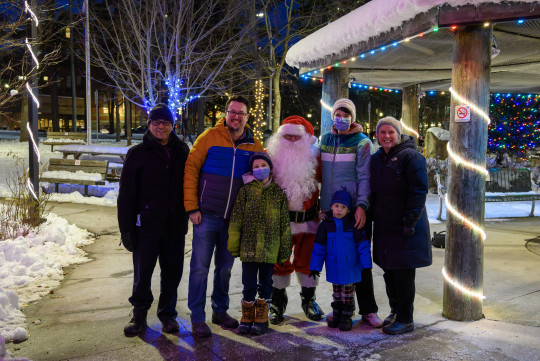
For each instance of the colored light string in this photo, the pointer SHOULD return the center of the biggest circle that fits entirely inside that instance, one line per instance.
(460, 287)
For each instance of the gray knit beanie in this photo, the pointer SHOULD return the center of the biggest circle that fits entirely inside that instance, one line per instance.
(390, 121)
(347, 104)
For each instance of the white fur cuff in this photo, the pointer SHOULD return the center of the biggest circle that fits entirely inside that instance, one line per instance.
(281, 282)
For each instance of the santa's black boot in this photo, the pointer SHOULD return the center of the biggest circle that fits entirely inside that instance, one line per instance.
(310, 307)
(278, 305)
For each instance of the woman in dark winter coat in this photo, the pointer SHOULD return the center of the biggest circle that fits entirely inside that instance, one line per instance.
(399, 185)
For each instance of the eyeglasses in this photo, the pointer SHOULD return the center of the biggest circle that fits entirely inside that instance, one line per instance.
(157, 123)
(233, 113)
(292, 137)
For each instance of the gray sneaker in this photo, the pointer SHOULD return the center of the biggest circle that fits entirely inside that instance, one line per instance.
(201, 329)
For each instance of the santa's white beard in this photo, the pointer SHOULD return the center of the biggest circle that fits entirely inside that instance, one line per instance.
(294, 168)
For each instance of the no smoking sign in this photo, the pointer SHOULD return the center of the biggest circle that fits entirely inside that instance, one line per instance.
(463, 113)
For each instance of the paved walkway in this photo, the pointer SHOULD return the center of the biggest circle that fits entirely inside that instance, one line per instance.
(84, 318)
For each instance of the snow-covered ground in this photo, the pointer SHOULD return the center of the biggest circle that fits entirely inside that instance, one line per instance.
(31, 266)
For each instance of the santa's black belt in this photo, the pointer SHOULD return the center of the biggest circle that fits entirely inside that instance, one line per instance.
(304, 216)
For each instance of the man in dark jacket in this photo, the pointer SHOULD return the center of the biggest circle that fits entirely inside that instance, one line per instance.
(152, 218)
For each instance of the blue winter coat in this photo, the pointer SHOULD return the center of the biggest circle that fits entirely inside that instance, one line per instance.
(399, 186)
(345, 249)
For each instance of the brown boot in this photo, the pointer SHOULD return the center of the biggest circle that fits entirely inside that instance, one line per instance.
(248, 316)
(260, 326)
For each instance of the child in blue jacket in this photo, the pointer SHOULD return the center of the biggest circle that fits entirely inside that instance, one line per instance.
(346, 251)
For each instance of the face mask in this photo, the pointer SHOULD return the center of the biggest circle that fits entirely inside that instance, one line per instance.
(261, 173)
(342, 124)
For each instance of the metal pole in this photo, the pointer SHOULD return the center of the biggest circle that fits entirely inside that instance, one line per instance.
(73, 79)
(88, 85)
(33, 171)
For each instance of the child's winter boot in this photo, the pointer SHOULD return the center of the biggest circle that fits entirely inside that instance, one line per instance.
(248, 316)
(334, 319)
(345, 323)
(310, 307)
(278, 305)
(260, 326)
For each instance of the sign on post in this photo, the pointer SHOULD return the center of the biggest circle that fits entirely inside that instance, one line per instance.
(463, 113)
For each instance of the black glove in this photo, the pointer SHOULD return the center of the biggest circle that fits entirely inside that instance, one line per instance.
(315, 274)
(129, 239)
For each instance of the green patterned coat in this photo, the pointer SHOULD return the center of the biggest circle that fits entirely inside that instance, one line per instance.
(259, 230)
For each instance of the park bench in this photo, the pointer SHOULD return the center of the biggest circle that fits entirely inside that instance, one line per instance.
(502, 185)
(82, 149)
(74, 171)
(64, 138)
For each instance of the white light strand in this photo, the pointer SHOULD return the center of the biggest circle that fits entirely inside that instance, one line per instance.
(464, 219)
(34, 98)
(409, 129)
(29, 184)
(326, 106)
(473, 106)
(32, 53)
(460, 161)
(462, 288)
(29, 10)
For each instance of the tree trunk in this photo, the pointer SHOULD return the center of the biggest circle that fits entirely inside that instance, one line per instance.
(111, 113)
(127, 117)
(117, 106)
(53, 88)
(466, 190)
(276, 116)
(410, 113)
(335, 86)
(201, 104)
(23, 135)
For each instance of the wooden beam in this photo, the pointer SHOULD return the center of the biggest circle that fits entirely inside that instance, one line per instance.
(464, 261)
(335, 86)
(410, 112)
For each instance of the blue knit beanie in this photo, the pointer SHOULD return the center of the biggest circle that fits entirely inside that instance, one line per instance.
(341, 196)
(260, 155)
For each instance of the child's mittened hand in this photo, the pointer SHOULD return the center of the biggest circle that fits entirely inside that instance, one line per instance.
(314, 274)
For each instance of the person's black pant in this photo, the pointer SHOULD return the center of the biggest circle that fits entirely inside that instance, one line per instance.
(170, 252)
(400, 289)
(365, 293)
(250, 270)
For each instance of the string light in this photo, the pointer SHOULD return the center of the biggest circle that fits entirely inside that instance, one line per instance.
(464, 219)
(462, 288)
(409, 129)
(460, 161)
(35, 148)
(258, 112)
(473, 106)
(326, 106)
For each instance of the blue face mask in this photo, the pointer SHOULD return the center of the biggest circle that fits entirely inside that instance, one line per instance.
(342, 124)
(261, 173)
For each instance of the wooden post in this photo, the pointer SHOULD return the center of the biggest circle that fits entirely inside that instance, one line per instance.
(464, 246)
(335, 86)
(409, 109)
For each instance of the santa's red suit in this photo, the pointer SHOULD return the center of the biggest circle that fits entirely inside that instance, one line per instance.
(296, 170)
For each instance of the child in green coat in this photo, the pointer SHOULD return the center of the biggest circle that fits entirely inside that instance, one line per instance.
(260, 234)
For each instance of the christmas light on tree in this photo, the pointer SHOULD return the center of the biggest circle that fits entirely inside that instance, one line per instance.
(515, 123)
(258, 110)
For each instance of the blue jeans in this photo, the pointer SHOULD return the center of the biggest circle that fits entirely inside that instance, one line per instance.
(249, 280)
(209, 235)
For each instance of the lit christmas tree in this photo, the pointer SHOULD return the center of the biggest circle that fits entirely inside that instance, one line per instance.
(515, 124)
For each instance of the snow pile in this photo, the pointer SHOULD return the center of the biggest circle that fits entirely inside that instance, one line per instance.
(94, 149)
(31, 267)
(440, 133)
(374, 18)
(109, 199)
(78, 175)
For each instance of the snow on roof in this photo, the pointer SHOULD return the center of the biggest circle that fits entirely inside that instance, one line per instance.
(375, 17)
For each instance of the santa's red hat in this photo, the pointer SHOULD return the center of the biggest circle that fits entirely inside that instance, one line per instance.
(296, 125)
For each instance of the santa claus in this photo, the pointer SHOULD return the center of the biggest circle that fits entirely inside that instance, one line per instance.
(294, 154)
